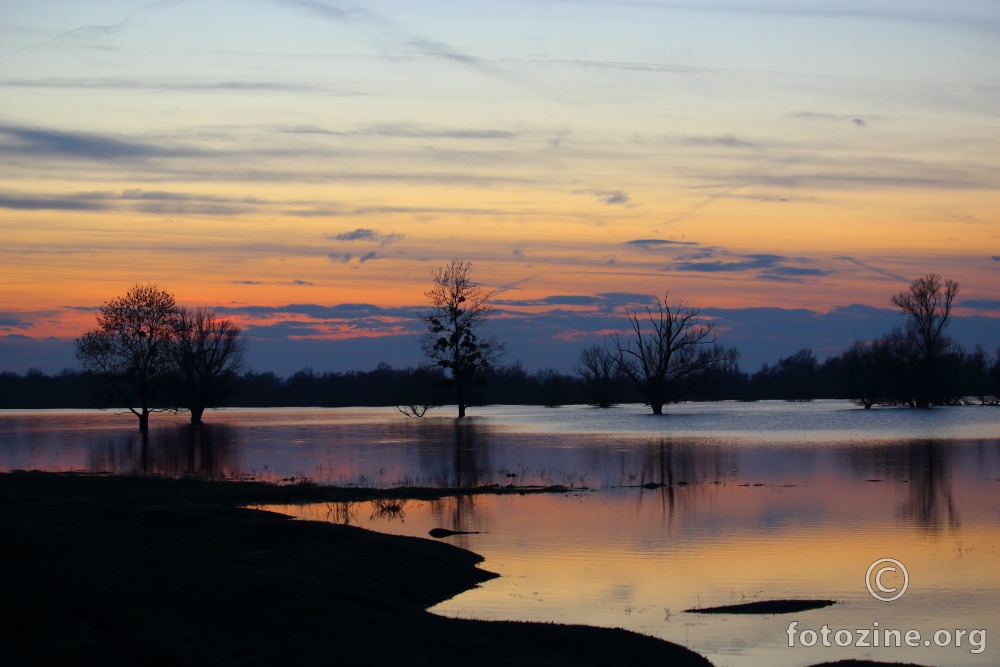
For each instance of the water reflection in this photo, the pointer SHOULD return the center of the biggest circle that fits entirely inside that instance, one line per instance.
(456, 452)
(931, 505)
(927, 467)
(613, 558)
(210, 451)
(676, 474)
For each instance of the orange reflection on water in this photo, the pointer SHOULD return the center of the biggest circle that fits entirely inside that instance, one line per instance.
(638, 558)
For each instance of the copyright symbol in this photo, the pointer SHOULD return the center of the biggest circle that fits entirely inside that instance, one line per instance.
(887, 579)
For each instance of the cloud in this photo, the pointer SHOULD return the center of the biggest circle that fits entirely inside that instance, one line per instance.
(615, 197)
(367, 256)
(144, 201)
(317, 311)
(369, 235)
(283, 330)
(340, 259)
(50, 143)
(699, 254)
(831, 117)
(91, 32)
(995, 258)
(164, 85)
(9, 321)
(759, 261)
(609, 197)
(980, 304)
(606, 301)
(259, 282)
(418, 132)
(403, 131)
(798, 271)
(36, 203)
(658, 243)
(881, 12)
(334, 13)
(419, 43)
(383, 210)
(557, 300)
(516, 252)
(874, 269)
(772, 267)
(358, 235)
(728, 141)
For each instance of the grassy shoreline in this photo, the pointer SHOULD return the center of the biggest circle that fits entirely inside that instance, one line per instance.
(129, 570)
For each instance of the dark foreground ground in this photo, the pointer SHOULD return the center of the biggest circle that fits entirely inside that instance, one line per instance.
(151, 571)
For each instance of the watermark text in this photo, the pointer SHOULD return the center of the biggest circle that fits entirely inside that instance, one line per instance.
(878, 637)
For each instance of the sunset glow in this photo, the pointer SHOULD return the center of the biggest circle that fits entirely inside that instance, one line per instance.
(258, 155)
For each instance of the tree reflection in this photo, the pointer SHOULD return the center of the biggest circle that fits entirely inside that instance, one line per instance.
(344, 513)
(209, 451)
(455, 453)
(682, 475)
(926, 467)
(930, 504)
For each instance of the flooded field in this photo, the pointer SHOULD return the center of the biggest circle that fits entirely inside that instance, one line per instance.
(745, 502)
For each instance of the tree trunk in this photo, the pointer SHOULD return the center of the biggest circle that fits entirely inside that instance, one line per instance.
(196, 413)
(657, 408)
(144, 422)
(460, 396)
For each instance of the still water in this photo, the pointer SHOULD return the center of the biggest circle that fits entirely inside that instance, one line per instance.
(760, 501)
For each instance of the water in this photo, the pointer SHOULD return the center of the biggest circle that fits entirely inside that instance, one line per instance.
(766, 500)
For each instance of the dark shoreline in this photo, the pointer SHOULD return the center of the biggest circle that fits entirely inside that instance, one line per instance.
(129, 570)
(97, 569)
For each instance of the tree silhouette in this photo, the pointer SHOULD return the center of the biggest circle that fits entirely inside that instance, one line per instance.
(130, 351)
(867, 371)
(927, 303)
(600, 374)
(677, 356)
(453, 342)
(417, 391)
(208, 354)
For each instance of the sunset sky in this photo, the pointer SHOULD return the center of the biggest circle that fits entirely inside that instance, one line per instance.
(301, 166)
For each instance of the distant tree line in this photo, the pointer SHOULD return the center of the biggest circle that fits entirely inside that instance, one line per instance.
(799, 377)
(147, 354)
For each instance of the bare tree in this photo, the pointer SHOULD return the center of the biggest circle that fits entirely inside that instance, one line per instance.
(676, 356)
(600, 374)
(208, 354)
(420, 390)
(130, 351)
(927, 304)
(453, 342)
(867, 372)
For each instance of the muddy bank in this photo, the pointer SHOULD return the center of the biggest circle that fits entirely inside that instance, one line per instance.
(151, 571)
(764, 607)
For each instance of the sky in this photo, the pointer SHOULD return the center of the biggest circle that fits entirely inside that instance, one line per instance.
(301, 166)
